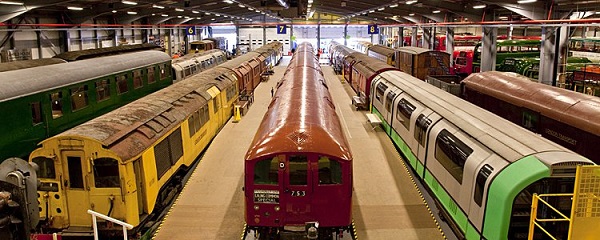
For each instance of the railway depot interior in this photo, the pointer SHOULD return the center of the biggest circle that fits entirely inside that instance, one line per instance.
(156, 103)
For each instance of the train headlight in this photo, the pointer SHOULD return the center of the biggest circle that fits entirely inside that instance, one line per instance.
(256, 207)
(277, 208)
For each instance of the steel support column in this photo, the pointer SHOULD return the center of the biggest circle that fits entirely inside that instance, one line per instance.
(426, 39)
(346, 34)
(488, 49)
(400, 42)
(38, 37)
(318, 31)
(413, 37)
(450, 43)
(553, 45)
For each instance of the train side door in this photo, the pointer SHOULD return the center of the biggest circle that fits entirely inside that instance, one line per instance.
(77, 188)
(422, 127)
(297, 189)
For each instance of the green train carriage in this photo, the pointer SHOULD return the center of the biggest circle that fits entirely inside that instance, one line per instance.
(481, 169)
(40, 102)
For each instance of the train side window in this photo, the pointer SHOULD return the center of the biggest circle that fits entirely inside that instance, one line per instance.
(176, 146)
(106, 173)
(298, 167)
(482, 176)
(530, 120)
(187, 71)
(380, 90)
(215, 104)
(137, 79)
(36, 113)
(163, 72)
(79, 97)
(204, 116)
(197, 125)
(56, 99)
(405, 109)
(45, 167)
(421, 129)
(389, 100)
(102, 90)
(265, 171)
(151, 77)
(122, 84)
(330, 171)
(452, 153)
(191, 124)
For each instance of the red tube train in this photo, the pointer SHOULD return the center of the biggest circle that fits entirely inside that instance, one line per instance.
(298, 169)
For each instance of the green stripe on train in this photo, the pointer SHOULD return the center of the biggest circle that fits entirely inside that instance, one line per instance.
(503, 191)
(458, 216)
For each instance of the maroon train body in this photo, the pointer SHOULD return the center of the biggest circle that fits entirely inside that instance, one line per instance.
(298, 169)
(563, 116)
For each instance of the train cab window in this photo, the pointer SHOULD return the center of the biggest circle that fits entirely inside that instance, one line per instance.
(389, 100)
(163, 72)
(137, 79)
(106, 173)
(330, 171)
(265, 171)
(204, 116)
(215, 104)
(405, 109)
(482, 176)
(122, 84)
(56, 99)
(380, 90)
(102, 90)
(452, 154)
(151, 77)
(79, 97)
(298, 167)
(187, 71)
(421, 129)
(36, 112)
(45, 167)
(530, 120)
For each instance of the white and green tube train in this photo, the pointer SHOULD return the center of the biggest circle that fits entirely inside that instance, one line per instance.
(481, 169)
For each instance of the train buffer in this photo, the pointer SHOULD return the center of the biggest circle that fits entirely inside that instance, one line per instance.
(373, 120)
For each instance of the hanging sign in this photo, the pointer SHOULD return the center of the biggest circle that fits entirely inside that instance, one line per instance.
(373, 29)
(190, 30)
(281, 29)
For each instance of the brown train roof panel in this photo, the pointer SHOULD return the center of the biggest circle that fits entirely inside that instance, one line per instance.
(98, 52)
(301, 117)
(573, 108)
(382, 50)
(10, 66)
(371, 66)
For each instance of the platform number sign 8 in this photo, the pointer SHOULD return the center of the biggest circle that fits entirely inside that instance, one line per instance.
(190, 30)
(373, 29)
(281, 29)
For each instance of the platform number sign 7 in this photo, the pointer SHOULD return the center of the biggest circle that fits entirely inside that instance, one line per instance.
(373, 29)
(281, 29)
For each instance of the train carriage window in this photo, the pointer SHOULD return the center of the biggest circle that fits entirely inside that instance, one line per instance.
(122, 84)
(102, 90)
(265, 171)
(176, 145)
(187, 71)
(45, 167)
(204, 117)
(79, 97)
(56, 99)
(164, 74)
(137, 79)
(482, 176)
(151, 77)
(405, 110)
(36, 113)
(389, 100)
(298, 167)
(106, 173)
(452, 154)
(191, 124)
(380, 90)
(197, 125)
(162, 157)
(422, 125)
(530, 120)
(215, 104)
(330, 171)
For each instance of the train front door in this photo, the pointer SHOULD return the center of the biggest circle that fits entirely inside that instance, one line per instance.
(297, 191)
(76, 188)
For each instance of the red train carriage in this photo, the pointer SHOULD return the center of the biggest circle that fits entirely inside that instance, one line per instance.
(364, 70)
(299, 166)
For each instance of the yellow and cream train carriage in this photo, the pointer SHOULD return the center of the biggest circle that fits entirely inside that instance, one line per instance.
(127, 163)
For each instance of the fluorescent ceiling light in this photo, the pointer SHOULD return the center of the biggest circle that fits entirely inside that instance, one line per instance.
(132, 13)
(218, 15)
(207, 13)
(75, 8)
(411, 2)
(129, 2)
(198, 18)
(394, 5)
(310, 1)
(212, 19)
(164, 15)
(157, 6)
(372, 11)
(256, 10)
(179, 17)
(179, 9)
(480, 6)
(11, 3)
(251, 9)
(381, 9)
(241, 5)
(411, 14)
(194, 11)
(503, 17)
(436, 11)
(526, 1)
(114, 11)
(228, 1)
(154, 14)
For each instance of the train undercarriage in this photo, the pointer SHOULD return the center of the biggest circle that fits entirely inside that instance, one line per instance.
(310, 231)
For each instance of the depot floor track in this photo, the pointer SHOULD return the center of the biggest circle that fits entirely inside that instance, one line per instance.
(387, 204)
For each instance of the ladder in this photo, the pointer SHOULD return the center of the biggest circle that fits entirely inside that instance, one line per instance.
(441, 63)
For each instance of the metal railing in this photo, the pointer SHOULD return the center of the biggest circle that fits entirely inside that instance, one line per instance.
(107, 218)
(535, 222)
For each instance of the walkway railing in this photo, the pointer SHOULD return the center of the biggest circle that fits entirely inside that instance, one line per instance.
(107, 218)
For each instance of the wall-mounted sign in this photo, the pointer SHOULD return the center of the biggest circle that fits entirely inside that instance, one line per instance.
(190, 30)
(373, 29)
(281, 29)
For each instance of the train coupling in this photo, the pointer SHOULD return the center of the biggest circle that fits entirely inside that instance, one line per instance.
(312, 230)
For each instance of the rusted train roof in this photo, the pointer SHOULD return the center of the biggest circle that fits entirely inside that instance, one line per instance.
(199, 54)
(131, 129)
(382, 50)
(573, 108)
(236, 62)
(371, 66)
(11, 66)
(98, 52)
(417, 50)
(301, 116)
(30, 81)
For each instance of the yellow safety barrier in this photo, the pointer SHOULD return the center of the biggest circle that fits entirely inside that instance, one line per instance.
(585, 209)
